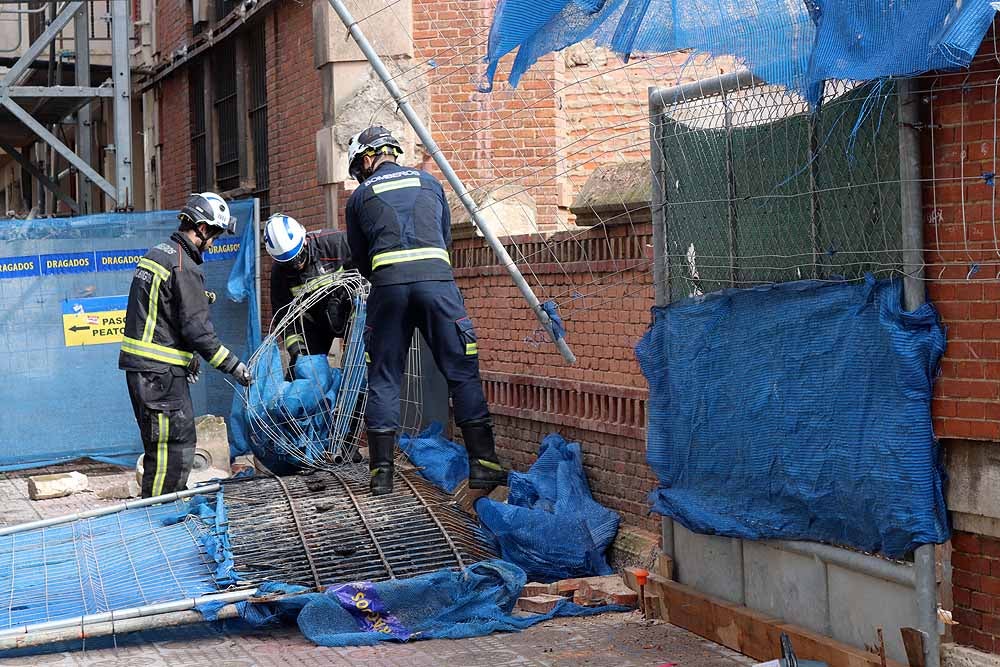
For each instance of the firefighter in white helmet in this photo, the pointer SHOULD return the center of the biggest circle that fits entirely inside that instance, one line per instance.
(304, 262)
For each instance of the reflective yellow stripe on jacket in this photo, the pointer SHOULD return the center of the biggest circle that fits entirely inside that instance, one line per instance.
(161, 353)
(412, 255)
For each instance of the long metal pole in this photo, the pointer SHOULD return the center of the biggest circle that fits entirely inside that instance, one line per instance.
(121, 77)
(118, 615)
(118, 626)
(911, 201)
(110, 509)
(451, 176)
(84, 143)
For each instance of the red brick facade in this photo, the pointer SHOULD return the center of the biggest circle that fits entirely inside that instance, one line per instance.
(962, 267)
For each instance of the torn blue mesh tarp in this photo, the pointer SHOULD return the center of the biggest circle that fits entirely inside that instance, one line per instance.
(795, 44)
(298, 412)
(63, 292)
(438, 460)
(797, 411)
(552, 499)
(444, 604)
(242, 287)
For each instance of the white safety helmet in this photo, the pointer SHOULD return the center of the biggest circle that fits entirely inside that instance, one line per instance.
(372, 141)
(211, 209)
(284, 237)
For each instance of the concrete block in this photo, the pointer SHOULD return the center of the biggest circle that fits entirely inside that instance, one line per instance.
(121, 491)
(331, 158)
(973, 485)
(213, 443)
(388, 31)
(44, 487)
(953, 655)
(539, 604)
(605, 590)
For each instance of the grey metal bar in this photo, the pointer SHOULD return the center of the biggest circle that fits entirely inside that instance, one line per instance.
(814, 221)
(84, 138)
(57, 91)
(914, 295)
(132, 612)
(110, 509)
(442, 162)
(731, 211)
(122, 102)
(39, 45)
(118, 626)
(855, 561)
(47, 182)
(60, 147)
(660, 98)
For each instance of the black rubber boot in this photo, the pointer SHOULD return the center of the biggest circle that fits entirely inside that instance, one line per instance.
(381, 453)
(485, 471)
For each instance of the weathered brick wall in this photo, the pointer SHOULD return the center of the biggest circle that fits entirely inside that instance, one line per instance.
(960, 241)
(173, 27)
(295, 112)
(176, 166)
(976, 590)
(961, 258)
(604, 289)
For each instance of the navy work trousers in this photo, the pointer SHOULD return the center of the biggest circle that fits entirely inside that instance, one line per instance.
(436, 309)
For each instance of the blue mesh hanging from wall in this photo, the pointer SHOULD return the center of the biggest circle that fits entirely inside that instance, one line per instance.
(797, 411)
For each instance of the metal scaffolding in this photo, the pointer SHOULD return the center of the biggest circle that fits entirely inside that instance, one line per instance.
(35, 104)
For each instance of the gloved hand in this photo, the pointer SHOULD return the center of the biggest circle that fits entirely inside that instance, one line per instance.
(295, 350)
(211, 296)
(194, 370)
(242, 374)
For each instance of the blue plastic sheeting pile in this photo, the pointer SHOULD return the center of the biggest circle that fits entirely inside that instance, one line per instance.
(117, 561)
(551, 526)
(441, 605)
(797, 411)
(440, 461)
(300, 410)
(795, 44)
(63, 292)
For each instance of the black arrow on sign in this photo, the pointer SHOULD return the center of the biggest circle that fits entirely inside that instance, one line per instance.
(77, 327)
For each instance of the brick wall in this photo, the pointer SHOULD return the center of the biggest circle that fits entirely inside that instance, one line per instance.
(295, 112)
(959, 237)
(600, 401)
(976, 590)
(294, 115)
(961, 258)
(173, 27)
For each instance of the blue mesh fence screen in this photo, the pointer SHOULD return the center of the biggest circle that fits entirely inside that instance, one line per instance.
(63, 288)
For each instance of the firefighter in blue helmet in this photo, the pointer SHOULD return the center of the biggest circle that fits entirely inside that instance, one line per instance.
(305, 262)
(399, 230)
(167, 326)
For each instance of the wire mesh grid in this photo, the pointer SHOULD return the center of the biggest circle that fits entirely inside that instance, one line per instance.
(313, 417)
(758, 189)
(92, 565)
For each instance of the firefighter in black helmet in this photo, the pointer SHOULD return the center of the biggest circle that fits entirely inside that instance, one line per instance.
(167, 327)
(399, 231)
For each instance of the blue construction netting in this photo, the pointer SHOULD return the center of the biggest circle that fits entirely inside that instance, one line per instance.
(128, 559)
(795, 44)
(442, 605)
(443, 463)
(63, 289)
(797, 411)
(552, 499)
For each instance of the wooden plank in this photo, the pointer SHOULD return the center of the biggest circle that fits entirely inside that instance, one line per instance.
(749, 632)
(913, 642)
